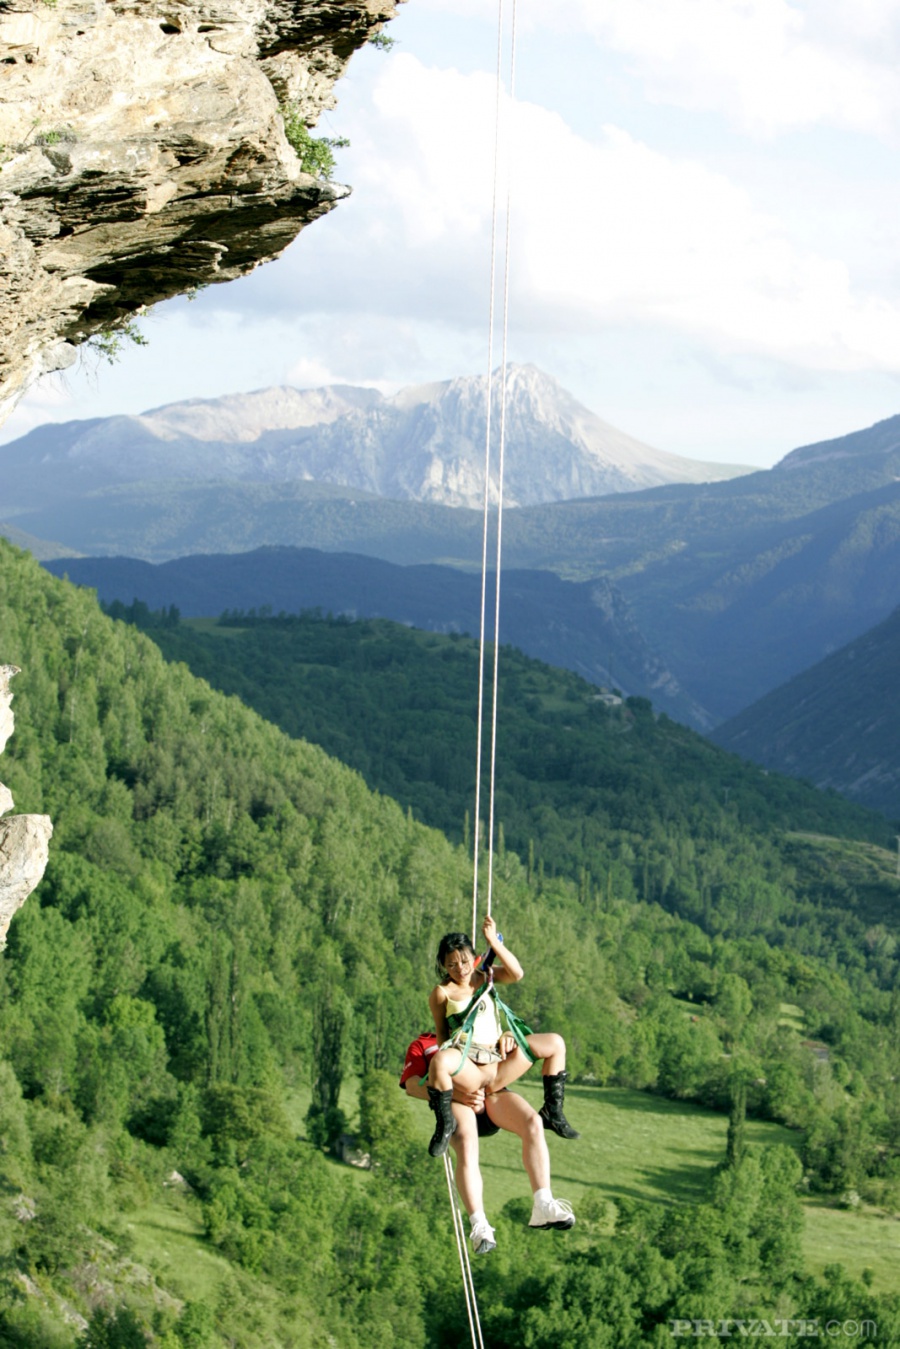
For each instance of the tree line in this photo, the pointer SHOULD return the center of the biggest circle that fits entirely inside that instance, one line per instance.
(230, 913)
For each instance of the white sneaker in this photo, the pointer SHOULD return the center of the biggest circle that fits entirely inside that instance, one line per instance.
(552, 1213)
(482, 1237)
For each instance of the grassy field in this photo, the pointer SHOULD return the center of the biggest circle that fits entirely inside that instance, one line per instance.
(168, 1240)
(633, 1145)
(645, 1147)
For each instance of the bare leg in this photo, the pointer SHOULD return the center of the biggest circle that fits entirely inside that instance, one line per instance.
(468, 1172)
(468, 1179)
(471, 1077)
(515, 1114)
(552, 1049)
(549, 1047)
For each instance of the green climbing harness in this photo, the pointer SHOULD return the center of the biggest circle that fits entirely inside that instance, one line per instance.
(461, 1024)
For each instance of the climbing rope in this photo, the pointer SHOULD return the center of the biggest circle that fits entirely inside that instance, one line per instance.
(463, 1252)
(458, 1223)
(482, 645)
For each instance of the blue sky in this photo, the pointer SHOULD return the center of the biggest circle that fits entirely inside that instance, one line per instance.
(704, 248)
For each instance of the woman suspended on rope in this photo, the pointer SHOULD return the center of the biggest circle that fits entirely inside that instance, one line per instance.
(477, 1116)
(477, 1055)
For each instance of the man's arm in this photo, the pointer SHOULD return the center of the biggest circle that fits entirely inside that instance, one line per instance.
(473, 1099)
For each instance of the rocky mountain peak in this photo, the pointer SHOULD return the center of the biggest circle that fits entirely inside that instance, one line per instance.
(244, 417)
(426, 443)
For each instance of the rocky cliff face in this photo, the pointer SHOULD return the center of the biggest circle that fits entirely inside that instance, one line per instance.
(24, 839)
(143, 152)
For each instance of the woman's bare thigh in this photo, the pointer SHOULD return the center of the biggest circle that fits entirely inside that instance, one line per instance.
(511, 1069)
(471, 1077)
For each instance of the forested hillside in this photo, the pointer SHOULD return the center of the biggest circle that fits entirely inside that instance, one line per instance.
(583, 626)
(608, 796)
(836, 724)
(735, 587)
(230, 916)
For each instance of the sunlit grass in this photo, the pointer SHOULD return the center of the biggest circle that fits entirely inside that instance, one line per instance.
(168, 1239)
(633, 1146)
(638, 1146)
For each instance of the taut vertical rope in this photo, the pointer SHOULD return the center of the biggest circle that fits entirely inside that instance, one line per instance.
(476, 832)
(458, 1224)
(487, 476)
(463, 1252)
(501, 458)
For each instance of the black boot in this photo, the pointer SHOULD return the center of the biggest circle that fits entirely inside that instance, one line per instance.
(551, 1112)
(445, 1124)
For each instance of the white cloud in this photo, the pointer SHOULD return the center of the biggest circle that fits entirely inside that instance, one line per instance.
(768, 65)
(605, 232)
(662, 271)
(445, 121)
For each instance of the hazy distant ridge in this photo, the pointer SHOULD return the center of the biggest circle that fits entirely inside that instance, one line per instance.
(837, 723)
(581, 626)
(423, 444)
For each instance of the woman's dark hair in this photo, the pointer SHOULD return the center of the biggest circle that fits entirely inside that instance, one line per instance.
(452, 941)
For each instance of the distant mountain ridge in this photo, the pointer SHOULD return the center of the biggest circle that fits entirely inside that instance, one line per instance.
(581, 626)
(425, 443)
(880, 440)
(836, 724)
(737, 585)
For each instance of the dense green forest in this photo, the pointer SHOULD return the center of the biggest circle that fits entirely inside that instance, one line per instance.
(231, 915)
(615, 799)
(835, 723)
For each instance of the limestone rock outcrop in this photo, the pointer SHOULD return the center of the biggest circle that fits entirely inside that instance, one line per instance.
(143, 153)
(24, 839)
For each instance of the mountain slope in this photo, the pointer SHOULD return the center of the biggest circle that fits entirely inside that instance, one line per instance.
(230, 919)
(424, 444)
(738, 585)
(399, 705)
(837, 724)
(736, 591)
(581, 626)
(736, 617)
(41, 549)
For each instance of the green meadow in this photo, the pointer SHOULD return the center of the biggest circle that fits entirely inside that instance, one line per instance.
(633, 1146)
(638, 1146)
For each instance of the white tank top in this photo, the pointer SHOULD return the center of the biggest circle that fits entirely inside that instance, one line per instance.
(486, 1028)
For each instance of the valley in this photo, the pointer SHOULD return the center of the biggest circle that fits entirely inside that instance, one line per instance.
(240, 578)
(718, 592)
(221, 897)
(835, 724)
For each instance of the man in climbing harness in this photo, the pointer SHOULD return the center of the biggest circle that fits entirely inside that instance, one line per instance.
(476, 1055)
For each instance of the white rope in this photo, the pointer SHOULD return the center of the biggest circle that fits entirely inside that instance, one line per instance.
(487, 479)
(502, 455)
(458, 1223)
(465, 1266)
(476, 834)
